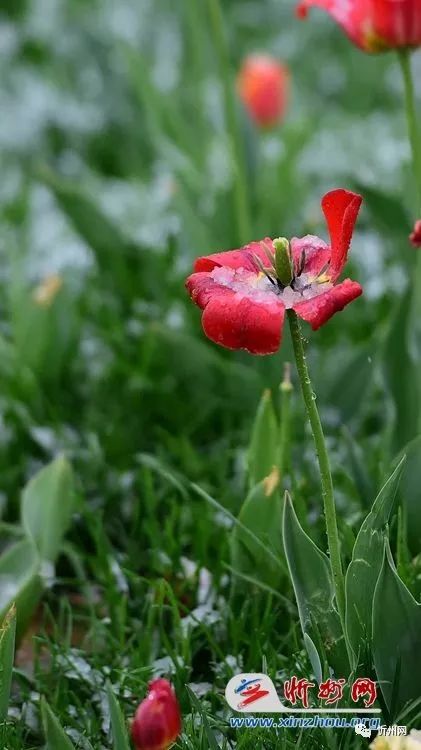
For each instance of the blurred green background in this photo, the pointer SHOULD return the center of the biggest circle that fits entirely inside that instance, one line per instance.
(116, 172)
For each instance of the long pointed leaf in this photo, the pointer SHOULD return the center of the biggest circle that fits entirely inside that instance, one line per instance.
(364, 568)
(47, 507)
(261, 513)
(56, 737)
(118, 724)
(263, 450)
(396, 638)
(314, 591)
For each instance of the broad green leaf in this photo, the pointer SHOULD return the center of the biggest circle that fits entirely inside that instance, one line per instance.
(7, 655)
(364, 568)
(47, 507)
(264, 443)
(314, 591)
(410, 491)
(118, 724)
(396, 638)
(314, 658)
(20, 582)
(55, 736)
(261, 513)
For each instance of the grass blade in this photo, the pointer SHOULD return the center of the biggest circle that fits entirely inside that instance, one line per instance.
(118, 724)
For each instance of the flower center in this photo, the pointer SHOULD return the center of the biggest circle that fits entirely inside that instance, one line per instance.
(261, 287)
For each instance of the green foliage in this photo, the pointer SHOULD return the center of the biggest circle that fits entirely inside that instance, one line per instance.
(314, 591)
(409, 491)
(21, 581)
(264, 448)
(54, 734)
(261, 515)
(118, 725)
(364, 569)
(125, 154)
(402, 374)
(396, 638)
(7, 655)
(47, 507)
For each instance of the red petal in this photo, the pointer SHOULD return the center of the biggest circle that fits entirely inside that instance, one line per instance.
(340, 208)
(201, 287)
(354, 16)
(239, 323)
(242, 258)
(415, 236)
(318, 310)
(317, 253)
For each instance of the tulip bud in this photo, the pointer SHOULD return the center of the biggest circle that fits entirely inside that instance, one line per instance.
(283, 261)
(415, 236)
(263, 87)
(157, 721)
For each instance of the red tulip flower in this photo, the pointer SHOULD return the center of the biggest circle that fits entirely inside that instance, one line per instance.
(263, 84)
(374, 25)
(244, 293)
(415, 236)
(157, 722)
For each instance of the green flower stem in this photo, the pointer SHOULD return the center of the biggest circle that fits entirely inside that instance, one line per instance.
(323, 459)
(240, 183)
(284, 440)
(411, 116)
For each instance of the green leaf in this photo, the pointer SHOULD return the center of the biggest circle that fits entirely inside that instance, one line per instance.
(210, 737)
(396, 638)
(261, 513)
(20, 582)
(409, 491)
(44, 329)
(116, 256)
(256, 541)
(47, 507)
(314, 591)
(118, 724)
(56, 737)
(7, 655)
(346, 385)
(364, 568)
(264, 443)
(358, 467)
(402, 373)
(314, 658)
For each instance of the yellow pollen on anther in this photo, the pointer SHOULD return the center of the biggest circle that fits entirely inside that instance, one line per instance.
(322, 279)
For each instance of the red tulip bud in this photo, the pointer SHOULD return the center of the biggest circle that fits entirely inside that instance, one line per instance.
(263, 84)
(157, 721)
(415, 236)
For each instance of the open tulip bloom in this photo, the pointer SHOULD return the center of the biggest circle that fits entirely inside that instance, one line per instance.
(244, 293)
(374, 25)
